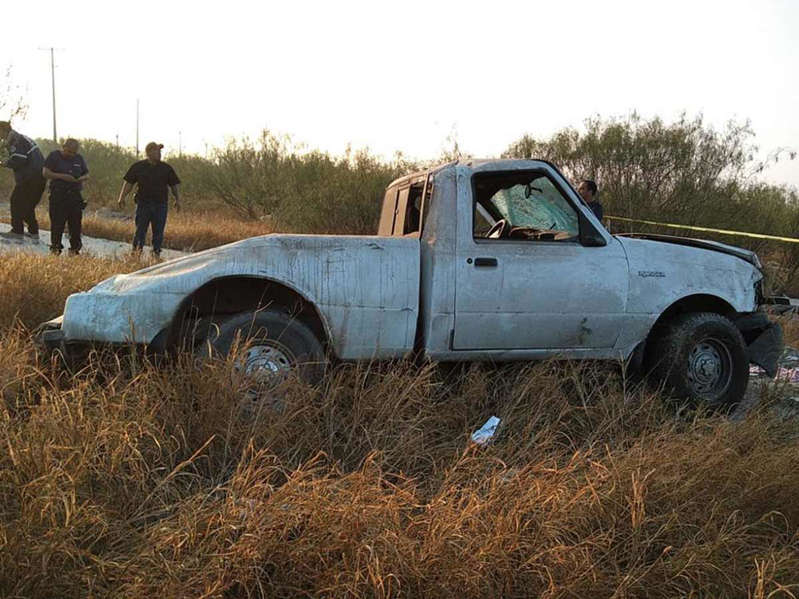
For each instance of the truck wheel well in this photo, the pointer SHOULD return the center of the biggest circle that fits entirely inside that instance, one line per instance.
(696, 303)
(691, 303)
(225, 296)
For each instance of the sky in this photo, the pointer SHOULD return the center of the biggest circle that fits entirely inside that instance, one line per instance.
(401, 76)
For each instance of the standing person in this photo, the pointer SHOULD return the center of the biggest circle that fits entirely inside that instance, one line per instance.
(588, 191)
(26, 160)
(153, 177)
(67, 171)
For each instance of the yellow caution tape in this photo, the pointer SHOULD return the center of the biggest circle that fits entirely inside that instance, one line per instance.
(705, 229)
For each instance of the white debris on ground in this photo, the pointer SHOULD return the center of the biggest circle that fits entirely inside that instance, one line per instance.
(486, 432)
(91, 245)
(790, 375)
(788, 367)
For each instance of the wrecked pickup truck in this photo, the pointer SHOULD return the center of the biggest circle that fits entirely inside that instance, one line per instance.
(473, 261)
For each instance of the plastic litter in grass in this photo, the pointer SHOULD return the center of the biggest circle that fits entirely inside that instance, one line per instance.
(485, 433)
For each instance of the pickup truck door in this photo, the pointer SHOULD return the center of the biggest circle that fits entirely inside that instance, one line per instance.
(533, 290)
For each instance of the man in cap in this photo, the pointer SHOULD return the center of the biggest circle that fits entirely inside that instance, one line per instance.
(26, 160)
(67, 171)
(154, 179)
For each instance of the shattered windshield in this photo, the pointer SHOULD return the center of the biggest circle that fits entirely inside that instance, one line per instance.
(529, 203)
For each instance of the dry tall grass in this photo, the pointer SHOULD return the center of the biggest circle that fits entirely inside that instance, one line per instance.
(137, 480)
(186, 230)
(34, 288)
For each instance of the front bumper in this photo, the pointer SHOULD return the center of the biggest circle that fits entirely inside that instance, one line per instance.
(50, 336)
(52, 340)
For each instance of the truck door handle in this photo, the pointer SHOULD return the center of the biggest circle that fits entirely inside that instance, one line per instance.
(485, 262)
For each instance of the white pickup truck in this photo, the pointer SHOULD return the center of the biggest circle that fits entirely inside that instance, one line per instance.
(479, 260)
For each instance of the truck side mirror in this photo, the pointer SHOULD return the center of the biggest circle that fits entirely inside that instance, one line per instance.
(589, 236)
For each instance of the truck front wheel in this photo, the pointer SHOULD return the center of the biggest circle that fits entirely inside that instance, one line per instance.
(270, 345)
(700, 356)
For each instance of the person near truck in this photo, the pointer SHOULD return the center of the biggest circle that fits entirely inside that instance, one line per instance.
(67, 172)
(154, 180)
(588, 191)
(26, 160)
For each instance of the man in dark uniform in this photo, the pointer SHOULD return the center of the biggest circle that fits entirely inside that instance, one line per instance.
(26, 160)
(67, 171)
(154, 179)
(588, 191)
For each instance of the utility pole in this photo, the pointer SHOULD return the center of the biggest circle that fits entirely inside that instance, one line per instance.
(180, 144)
(137, 127)
(117, 137)
(52, 81)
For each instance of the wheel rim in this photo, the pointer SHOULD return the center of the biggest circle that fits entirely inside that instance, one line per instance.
(266, 361)
(262, 367)
(709, 368)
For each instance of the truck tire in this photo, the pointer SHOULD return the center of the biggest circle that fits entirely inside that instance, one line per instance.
(700, 356)
(272, 342)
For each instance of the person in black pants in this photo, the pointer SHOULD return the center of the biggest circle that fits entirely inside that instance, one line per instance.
(153, 178)
(67, 171)
(26, 160)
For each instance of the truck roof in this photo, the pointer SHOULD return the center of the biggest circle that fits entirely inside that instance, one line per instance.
(474, 163)
(420, 175)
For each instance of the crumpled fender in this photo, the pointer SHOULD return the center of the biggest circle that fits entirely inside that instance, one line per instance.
(764, 340)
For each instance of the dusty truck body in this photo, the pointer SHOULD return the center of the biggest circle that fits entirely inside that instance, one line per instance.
(480, 260)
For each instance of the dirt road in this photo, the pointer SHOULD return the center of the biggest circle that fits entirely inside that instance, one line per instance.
(91, 245)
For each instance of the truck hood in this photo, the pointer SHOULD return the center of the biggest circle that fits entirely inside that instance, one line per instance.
(732, 250)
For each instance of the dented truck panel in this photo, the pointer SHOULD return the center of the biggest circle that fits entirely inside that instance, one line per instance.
(365, 288)
(662, 273)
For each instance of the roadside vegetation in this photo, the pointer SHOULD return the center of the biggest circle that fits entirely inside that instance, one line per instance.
(130, 479)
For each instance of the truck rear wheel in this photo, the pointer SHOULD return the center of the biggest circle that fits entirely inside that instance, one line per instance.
(700, 356)
(271, 345)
